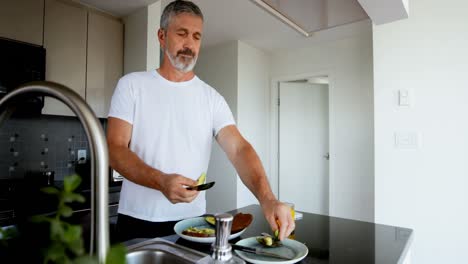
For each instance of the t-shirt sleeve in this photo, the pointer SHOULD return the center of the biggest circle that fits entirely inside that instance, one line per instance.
(222, 115)
(123, 102)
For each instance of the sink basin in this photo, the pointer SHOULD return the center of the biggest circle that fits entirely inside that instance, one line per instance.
(161, 251)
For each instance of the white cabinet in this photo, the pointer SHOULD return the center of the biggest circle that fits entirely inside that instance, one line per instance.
(22, 20)
(105, 61)
(65, 33)
(84, 52)
(84, 47)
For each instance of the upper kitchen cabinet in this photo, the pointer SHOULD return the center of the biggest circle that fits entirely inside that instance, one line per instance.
(84, 52)
(65, 33)
(22, 20)
(105, 60)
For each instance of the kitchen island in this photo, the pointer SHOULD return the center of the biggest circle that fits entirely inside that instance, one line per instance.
(332, 240)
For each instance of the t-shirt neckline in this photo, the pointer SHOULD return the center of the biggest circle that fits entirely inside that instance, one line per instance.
(156, 74)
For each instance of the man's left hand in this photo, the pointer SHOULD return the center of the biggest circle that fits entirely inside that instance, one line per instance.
(279, 217)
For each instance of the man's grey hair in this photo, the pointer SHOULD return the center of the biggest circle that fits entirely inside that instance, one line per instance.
(178, 7)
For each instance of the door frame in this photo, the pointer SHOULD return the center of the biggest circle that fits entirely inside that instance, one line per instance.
(274, 127)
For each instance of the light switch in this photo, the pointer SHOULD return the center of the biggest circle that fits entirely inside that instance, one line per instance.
(407, 140)
(404, 97)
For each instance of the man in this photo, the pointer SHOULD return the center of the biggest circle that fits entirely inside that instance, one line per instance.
(160, 130)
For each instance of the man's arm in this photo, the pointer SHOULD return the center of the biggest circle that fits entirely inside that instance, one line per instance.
(250, 169)
(129, 165)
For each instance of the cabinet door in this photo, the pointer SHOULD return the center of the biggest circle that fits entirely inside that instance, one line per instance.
(105, 61)
(22, 20)
(65, 29)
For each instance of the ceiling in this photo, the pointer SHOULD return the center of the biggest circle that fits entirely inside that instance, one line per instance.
(228, 20)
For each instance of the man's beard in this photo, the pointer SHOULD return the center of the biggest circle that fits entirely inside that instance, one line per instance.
(181, 63)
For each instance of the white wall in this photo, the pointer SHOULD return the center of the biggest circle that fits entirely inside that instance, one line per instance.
(141, 47)
(253, 108)
(217, 66)
(424, 188)
(154, 15)
(349, 65)
(240, 73)
(135, 41)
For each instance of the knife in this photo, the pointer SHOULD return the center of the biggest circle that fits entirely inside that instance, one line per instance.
(201, 187)
(259, 251)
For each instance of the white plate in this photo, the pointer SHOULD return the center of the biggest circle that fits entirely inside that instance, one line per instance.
(291, 248)
(198, 222)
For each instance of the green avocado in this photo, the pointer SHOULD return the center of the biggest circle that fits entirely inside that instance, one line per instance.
(267, 241)
(277, 234)
(201, 179)
(211, 220)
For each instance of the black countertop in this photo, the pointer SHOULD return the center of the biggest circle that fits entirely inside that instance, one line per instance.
(332, 240)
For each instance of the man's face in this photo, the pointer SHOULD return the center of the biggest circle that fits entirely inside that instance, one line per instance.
(181, 41)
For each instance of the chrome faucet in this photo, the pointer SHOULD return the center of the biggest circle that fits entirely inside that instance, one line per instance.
(98, 149)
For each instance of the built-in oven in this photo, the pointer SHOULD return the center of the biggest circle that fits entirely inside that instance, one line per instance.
(22, 63)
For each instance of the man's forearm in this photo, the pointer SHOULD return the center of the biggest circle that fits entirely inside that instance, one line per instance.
(129, 165)
(252, 173)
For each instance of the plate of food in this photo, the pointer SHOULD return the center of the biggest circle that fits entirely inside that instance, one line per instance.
(202, 229)
(291, 250)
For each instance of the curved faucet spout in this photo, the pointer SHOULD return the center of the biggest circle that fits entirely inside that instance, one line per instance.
(98, 149)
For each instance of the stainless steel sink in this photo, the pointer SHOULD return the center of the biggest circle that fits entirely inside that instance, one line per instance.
(161, 251)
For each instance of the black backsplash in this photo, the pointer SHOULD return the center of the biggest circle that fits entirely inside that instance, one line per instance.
(47, 143)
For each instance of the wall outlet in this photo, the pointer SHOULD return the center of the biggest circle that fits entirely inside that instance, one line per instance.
(81, 156)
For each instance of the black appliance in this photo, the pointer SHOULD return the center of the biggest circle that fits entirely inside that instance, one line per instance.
(22, 63)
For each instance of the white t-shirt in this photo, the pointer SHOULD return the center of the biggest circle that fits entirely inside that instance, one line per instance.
(173, 128)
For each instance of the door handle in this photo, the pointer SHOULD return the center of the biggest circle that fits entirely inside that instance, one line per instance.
(327, 156)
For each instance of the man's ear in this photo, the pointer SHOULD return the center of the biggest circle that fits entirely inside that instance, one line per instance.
(162, 37)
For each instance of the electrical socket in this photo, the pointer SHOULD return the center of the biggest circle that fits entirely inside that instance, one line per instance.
(81, 156)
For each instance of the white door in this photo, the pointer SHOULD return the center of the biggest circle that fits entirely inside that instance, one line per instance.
(303, 146)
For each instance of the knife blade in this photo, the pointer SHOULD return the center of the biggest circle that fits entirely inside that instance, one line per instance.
(259, 251)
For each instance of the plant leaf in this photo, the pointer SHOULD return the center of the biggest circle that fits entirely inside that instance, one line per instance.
(73, 197)
(56, 253)
(56, 230)
(116, 254)
(86, 260)
(72, 233)
(40, 219)
(70, 183)
(76, 246)
(50, 190)
(66, 244)
(65, 211)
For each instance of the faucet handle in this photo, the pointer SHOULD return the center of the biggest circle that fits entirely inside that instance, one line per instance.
(221, 249)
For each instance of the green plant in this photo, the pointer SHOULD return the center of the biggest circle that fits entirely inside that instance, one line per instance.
(66, 243)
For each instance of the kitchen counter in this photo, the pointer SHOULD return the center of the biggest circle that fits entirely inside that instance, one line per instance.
(332, 240)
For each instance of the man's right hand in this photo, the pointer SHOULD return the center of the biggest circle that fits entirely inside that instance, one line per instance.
(173, 186)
